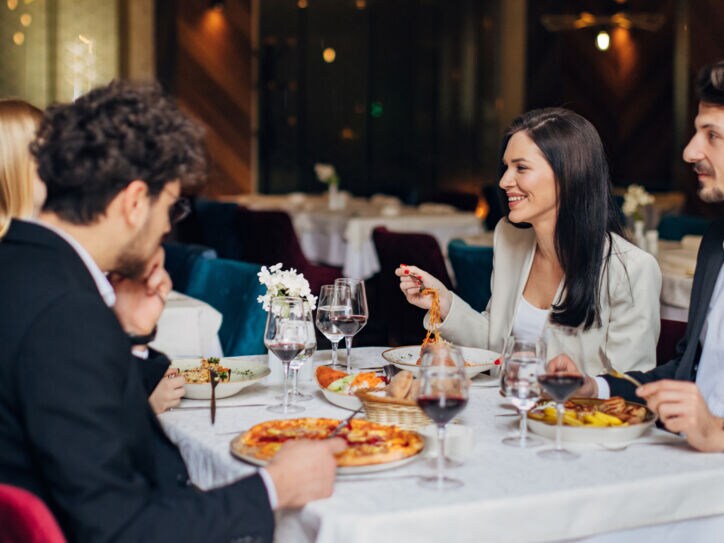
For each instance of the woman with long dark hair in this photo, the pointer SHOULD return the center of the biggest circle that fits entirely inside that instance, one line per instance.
(560, 257)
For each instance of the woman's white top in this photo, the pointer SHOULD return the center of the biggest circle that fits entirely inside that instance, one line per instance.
(529, 320)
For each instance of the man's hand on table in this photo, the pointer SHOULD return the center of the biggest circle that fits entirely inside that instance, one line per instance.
(139, 302)
(682, 409)
(563, 364)
(303, 471)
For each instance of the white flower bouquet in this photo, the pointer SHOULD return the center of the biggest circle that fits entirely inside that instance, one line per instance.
(326, 173)
(280, 282)
(634, 200)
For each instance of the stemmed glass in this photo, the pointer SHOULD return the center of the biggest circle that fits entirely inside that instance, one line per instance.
(333, 300)
(285, 335)
(356, 319)
(523, 363)
(563, 341)
(309, 349)
(443, 394)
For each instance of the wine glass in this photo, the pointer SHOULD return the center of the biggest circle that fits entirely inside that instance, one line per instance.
(356, 319)
(563, 341)
(285, 335)
(443, 394)
(310, 348)
(523, 362)
(333, 300)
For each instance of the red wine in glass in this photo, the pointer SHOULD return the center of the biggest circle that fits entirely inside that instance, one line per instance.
(560, 385)
(442, 409)
(286, 351)
(349, 325)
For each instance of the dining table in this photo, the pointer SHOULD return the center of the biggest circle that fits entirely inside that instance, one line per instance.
(655, 488)
(343, 236)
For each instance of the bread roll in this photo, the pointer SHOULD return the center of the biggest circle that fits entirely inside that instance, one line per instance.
(414, 391)
(400, 385)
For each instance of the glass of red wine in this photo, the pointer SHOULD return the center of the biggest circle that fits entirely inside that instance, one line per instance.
(443, 394)
(355, 320)
(286, 335)
(334, 301)
(563, 342)
(523, 363)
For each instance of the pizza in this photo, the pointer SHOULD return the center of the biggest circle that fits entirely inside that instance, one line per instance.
(368, 443)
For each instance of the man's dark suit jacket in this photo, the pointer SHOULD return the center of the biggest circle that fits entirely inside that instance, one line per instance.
(75, 425)
(684, 365)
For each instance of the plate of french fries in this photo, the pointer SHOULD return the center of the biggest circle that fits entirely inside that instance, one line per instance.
(590, 420)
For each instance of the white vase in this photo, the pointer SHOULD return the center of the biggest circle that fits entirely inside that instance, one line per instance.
(333, 199)
(639, 237)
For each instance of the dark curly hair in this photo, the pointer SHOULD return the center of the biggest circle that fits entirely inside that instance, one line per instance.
(88, 151)
(710, 84)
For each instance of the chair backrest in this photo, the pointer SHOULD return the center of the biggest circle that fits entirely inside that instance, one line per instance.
(675, 227)
(473, 267)
(670, 335)
(180, 260)
(219, 227)
(25, 518)
(268, 237)
(404, 321)
(232, 288)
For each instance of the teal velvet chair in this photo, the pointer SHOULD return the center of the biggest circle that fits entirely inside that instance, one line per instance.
(232, 288)
(181, 259)
(675, 227)
(473, 266)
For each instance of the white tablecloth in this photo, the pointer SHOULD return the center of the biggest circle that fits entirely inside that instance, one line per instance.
(188, 327)
(344, 237)
(644, 493)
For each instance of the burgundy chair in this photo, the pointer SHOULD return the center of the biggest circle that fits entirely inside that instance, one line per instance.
(24, 518)
(404, 321)
(671, 333)
(268, 237)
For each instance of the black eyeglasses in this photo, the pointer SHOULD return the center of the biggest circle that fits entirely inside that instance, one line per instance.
(179, 210)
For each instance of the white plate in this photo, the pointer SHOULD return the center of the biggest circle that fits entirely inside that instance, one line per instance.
(593, 434)
(345, 401)
(341, 470)
(405, 358)
(243, 374)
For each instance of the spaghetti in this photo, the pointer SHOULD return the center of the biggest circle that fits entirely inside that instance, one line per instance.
(433, 336)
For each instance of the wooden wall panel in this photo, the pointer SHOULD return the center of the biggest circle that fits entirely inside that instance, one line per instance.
(210, 51)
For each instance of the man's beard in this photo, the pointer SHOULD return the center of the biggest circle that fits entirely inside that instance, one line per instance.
(711, 195)
(132, 261)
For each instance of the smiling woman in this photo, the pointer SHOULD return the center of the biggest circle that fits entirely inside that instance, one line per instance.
(560, 258)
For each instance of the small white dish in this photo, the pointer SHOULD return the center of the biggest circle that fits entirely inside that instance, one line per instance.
(345, 401)
(243, 374)
(459, 442)
(476, 360)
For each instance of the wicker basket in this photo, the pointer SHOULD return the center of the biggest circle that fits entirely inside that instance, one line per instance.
(402, 413)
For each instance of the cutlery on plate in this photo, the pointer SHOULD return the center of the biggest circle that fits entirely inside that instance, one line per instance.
(342, 425)
(613, 372)
(225, 406)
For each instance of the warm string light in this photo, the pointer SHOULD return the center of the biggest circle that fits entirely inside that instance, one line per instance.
(603, 40)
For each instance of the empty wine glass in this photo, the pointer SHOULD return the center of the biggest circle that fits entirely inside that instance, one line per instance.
(285, 335)
(443, 394)
(310, 348)
(563, 341)
(523, 362)
(333, 300)
(356, 319)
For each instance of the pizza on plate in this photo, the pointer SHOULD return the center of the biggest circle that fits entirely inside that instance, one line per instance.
(368, 443)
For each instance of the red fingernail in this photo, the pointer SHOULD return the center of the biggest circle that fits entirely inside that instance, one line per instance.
(403, 265)
(497, 362)
(407, 272)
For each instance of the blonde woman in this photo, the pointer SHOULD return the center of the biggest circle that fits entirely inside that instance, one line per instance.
(21, 191)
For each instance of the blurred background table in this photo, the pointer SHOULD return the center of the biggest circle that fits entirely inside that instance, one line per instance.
(188, 327)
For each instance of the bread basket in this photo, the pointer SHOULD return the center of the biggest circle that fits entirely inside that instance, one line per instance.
(402, 413)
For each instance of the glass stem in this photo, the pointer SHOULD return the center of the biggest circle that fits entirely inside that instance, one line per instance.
(440, 455)
(348, 342)
(295, 378)
(559, 425)
(285, 394)
(523, 427)
(335, 344)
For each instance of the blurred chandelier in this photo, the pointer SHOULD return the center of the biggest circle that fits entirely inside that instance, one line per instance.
(651, 22)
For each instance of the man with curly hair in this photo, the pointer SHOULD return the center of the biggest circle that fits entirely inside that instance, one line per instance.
(81, 290)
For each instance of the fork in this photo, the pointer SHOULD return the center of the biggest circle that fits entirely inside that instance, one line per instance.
(342, 425)
(613, 372)
(214, 378)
